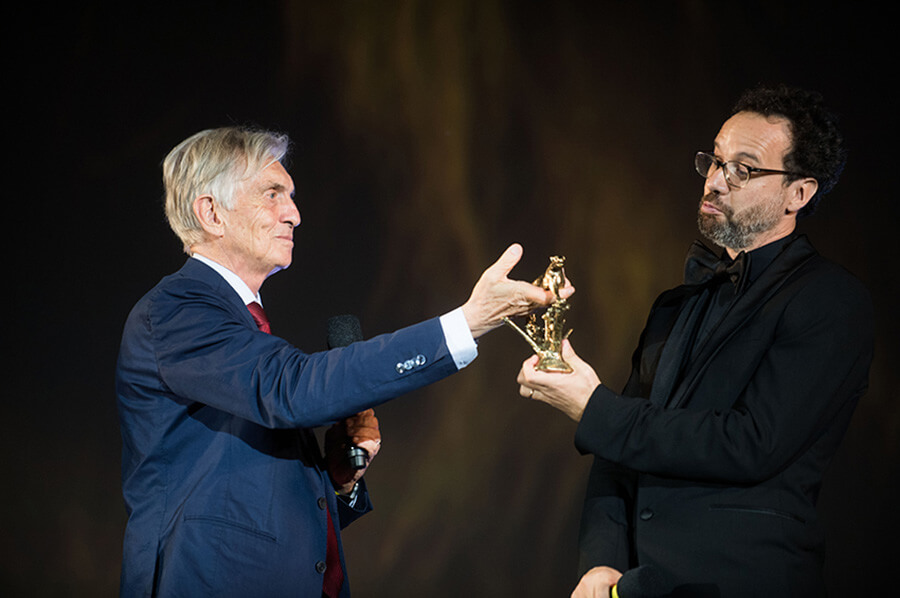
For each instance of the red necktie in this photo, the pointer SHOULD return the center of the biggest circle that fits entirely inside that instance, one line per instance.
(334, 574)
(259, 316)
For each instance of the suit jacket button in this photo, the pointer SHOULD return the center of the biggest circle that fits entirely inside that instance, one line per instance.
(320, 567)
(322, 503)
(646, 515)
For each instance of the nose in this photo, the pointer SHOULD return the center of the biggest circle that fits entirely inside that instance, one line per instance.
(716, 183)
(291, 213)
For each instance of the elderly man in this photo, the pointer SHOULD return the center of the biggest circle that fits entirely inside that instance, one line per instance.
(226, 489)
(707, 467)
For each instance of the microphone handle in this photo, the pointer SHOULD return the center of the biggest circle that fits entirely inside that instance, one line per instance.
(357, 456)
(342, 331)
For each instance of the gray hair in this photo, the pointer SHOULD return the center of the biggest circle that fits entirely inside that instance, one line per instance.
(213, 162)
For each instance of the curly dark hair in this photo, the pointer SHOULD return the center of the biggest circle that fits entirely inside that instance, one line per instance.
(817, 146)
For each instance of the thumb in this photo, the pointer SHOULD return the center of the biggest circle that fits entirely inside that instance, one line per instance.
(568, 353)
(509, 259)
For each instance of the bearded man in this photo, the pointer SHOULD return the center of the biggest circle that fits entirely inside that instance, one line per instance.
(707, 466)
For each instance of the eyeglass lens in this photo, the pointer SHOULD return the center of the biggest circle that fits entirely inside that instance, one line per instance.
(735, 174)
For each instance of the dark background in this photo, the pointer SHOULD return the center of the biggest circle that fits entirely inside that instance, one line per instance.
(428, 136)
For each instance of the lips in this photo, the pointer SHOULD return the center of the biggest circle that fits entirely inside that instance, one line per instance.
(708, 208)
(710, 204)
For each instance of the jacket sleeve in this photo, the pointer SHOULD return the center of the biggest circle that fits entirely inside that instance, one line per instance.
(604, 536)
(605, 533)
(797, 381)
(207, 353)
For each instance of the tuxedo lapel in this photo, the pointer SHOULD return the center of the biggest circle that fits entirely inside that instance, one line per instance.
(674, 351)
(745, 307)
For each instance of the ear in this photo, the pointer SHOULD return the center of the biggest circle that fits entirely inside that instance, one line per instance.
(207, 211)
(802, 191)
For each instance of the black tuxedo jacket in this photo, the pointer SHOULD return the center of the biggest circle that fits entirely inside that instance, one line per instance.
(715, 479)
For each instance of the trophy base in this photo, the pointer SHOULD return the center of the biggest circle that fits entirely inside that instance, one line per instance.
(553, 363)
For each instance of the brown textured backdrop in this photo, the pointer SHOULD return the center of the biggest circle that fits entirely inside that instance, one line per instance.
(429, 136)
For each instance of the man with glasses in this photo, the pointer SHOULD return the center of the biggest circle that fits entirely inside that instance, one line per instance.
(708, 465)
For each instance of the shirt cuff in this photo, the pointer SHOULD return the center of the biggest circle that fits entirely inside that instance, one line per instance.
(349, 499)
(459, 339)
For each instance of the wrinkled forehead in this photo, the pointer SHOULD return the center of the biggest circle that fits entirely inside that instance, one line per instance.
(269, 173)
(753, 137)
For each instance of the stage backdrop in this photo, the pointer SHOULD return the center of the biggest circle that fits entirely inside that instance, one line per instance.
(428, 137)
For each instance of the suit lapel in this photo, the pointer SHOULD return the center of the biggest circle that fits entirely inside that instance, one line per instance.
(745, 307)
(197, 270)
(306, 442)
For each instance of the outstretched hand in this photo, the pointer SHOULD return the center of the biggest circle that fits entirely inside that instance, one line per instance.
(496, 296)
(567, 392)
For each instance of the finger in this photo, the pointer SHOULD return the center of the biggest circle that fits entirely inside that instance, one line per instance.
(527, 369)
(352, 427)
(365, 419)
(358, 439)
(363, 416)
(508, 260)
(569, 354)
(567, 291)
(364, 431)
(370, 446)
(535, 295)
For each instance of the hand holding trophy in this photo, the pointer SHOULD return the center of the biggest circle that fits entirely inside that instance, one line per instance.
(546, 339)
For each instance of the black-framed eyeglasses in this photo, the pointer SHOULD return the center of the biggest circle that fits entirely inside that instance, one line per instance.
(736, 174)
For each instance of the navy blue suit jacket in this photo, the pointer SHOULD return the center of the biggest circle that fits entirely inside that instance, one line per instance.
(223, 482)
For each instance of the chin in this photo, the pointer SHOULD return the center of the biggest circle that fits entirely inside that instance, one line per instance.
(279, 267)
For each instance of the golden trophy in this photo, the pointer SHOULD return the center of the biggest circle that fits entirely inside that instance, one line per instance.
(546, 339)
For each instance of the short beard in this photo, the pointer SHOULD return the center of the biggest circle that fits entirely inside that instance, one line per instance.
(738, 231)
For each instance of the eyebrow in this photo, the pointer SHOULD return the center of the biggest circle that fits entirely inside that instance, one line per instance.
(273, 186)
(741, 156)
(748, 156)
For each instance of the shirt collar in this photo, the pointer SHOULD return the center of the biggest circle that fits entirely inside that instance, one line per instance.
(239, 286)
(761, 257)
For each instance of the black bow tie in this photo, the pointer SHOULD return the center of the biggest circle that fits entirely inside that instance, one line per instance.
(702, 266)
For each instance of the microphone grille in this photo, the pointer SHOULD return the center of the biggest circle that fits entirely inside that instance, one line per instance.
(645, 581)
(343, 330)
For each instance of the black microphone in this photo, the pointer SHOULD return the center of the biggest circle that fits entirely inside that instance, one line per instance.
(646, 581)
(342, 331)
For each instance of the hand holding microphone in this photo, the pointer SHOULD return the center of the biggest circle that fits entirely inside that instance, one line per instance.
(342, 331)
(358, 431)
(645, 581)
